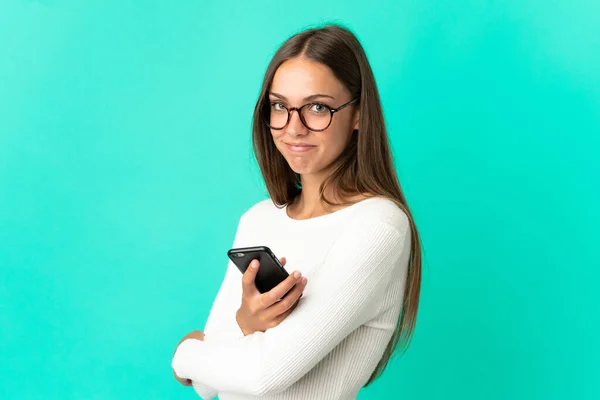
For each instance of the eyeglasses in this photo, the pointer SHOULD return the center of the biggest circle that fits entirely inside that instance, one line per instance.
(315, 116)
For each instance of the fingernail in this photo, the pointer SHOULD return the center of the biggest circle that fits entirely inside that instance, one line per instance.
(254, 264)
(297, 274)
(304, 280)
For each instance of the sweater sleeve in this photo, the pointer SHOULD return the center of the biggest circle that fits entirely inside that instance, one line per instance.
(347, 289)
(221, 323)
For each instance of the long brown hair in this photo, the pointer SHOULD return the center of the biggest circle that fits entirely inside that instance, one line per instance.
(365, 166)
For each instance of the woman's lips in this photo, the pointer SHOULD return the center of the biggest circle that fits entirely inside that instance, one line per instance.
(299, 148)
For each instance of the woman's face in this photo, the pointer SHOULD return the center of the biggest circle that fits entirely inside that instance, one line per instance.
(300, 81)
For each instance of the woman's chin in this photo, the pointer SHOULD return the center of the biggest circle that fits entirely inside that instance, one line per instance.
(300, 171)
(298, 166)
(307, 171)
(304, 168)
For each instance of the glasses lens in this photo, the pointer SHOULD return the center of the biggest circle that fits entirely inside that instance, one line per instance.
(278, 115)
(316, 116)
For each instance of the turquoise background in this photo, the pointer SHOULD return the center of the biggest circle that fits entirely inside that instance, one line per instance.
(125, 163)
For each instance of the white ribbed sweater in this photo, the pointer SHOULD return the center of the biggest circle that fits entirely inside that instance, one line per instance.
(356, 262)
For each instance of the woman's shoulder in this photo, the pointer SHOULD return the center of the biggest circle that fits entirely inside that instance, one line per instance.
(261, 209)
(380, 209)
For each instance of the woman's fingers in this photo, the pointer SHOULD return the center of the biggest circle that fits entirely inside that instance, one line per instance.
(290, 300)
(278, 292)
(248, 285)
(183, 381)
(262, 311)
(284, 314)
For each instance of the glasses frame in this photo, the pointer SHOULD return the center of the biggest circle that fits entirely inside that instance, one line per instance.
(298, 109)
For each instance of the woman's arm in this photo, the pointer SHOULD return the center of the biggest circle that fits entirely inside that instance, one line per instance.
(205, 392)
(220, 326)
(346, 293)
(221, 323)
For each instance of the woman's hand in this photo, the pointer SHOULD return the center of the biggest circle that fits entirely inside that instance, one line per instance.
(262, 311)
(199, 335)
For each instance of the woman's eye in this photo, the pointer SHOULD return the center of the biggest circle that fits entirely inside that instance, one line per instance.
(277, 106)
(318, 108)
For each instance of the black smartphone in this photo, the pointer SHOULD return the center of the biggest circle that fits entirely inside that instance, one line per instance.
(270, 272)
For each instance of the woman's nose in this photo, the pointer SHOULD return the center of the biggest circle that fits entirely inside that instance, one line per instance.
(295, 126)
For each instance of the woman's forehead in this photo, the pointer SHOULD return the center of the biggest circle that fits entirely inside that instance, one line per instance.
(297, 79)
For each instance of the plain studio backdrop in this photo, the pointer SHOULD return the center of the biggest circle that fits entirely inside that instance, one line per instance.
(125, 163)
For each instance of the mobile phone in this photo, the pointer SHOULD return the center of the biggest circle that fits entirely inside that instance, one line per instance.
(270, 271)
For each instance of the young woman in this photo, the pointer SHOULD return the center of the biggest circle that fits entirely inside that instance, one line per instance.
(338, 214)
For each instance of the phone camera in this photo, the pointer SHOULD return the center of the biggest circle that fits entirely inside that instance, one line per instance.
(238, 254)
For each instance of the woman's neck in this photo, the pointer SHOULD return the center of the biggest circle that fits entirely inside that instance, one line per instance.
(308, 203)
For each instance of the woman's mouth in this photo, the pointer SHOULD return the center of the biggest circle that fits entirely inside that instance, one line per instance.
(299, 147)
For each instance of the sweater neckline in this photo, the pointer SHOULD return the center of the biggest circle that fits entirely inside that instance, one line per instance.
(326, 216)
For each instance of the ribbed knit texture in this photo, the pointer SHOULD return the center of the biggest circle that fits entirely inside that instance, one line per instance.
(355, 260)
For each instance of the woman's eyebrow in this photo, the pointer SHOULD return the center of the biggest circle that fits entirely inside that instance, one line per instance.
(309, 98)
